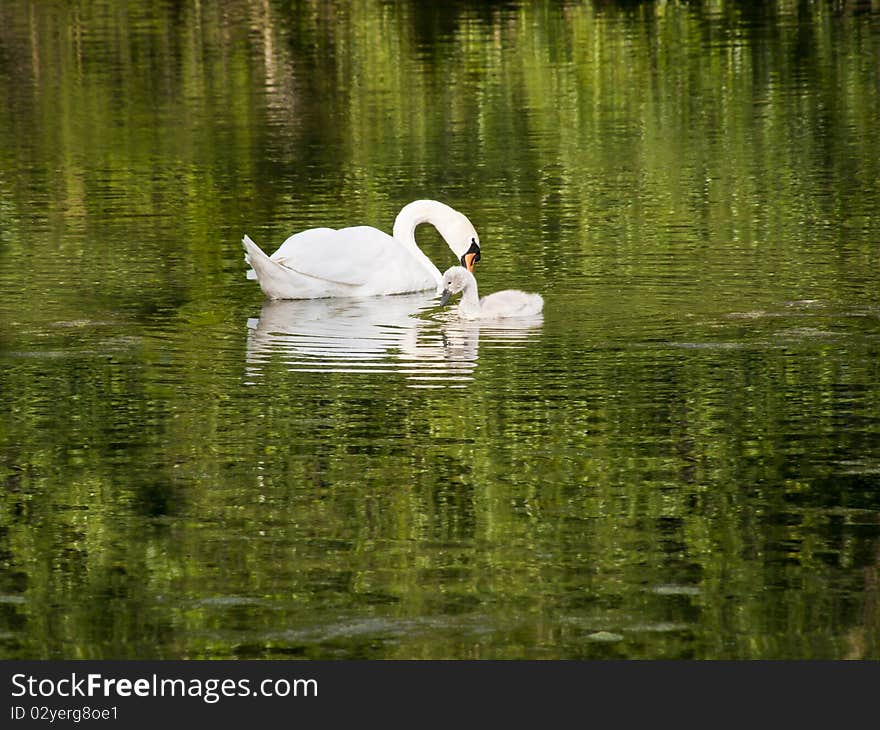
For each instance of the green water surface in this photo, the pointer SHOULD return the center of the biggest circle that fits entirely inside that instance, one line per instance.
(680, 460)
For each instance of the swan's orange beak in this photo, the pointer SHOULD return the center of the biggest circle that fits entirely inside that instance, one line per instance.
(469, 260)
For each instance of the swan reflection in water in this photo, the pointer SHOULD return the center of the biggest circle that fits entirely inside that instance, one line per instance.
(376, 335)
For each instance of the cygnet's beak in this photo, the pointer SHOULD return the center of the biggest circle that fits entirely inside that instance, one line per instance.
(444, 297)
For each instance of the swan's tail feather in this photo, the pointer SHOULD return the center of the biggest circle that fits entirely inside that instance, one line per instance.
(274, 278)
(251, 250)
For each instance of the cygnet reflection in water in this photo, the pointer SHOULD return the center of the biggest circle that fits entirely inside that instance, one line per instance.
(373, 335)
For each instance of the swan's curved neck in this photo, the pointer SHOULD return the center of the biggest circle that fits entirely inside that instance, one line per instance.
(411, 217)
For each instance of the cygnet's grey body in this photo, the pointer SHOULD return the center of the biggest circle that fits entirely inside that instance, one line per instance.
(502, 304)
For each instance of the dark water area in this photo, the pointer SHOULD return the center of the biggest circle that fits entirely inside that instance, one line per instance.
(679, 460)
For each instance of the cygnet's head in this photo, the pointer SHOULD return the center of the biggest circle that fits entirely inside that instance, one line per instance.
(455, 279)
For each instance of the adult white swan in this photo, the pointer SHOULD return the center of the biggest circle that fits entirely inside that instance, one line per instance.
(362, 260)
(501, 304)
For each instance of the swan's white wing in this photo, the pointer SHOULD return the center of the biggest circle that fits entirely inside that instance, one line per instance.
(288, 250)
(350, 256)
(311, 237)
(360, 256)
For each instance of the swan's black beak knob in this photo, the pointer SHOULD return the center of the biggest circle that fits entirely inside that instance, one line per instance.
(471, 256)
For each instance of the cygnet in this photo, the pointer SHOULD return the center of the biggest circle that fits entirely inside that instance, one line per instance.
(502, 304)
